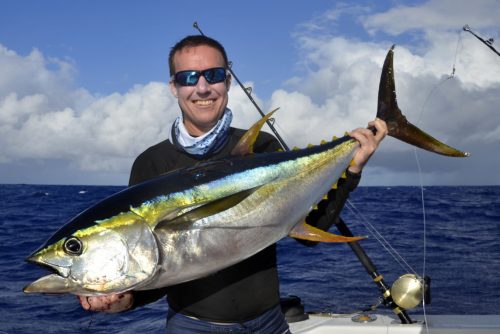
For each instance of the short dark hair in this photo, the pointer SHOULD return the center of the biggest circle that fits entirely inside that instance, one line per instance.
(192, 41)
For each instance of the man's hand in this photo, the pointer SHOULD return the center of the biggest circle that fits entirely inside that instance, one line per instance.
(368, 143)
(110, 303)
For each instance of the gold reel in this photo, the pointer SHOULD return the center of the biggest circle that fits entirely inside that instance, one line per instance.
(408, 291)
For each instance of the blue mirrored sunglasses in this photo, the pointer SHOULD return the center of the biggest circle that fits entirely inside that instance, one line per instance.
(190, 78)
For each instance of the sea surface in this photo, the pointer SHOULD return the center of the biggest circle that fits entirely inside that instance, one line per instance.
(456, 243)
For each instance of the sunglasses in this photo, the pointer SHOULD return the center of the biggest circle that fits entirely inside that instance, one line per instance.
(190, 78)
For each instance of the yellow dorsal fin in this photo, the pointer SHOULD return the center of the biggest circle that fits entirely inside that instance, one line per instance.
(245, 144)
(305, 231)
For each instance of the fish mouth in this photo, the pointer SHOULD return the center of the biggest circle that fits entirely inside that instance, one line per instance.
(56, 282)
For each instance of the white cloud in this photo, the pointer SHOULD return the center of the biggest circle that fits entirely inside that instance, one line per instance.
(339, 89)
(435, 15)
(45, 117)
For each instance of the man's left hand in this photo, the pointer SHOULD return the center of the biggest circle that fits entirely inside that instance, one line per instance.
(368, 143)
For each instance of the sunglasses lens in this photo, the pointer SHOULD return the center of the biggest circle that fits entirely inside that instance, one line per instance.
(215, 75)
(190, 78)
(187, 78)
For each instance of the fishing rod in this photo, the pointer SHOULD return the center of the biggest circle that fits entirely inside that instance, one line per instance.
(488, 42)
(332, 214)
(248, 93)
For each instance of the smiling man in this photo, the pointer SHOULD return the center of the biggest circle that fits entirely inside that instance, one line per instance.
(243, 298)
(202, 100)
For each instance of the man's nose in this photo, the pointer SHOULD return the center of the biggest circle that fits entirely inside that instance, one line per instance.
(202, 86)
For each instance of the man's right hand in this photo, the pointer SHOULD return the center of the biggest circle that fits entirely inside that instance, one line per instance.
(110, 303)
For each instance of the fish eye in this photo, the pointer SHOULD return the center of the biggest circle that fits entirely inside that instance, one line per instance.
(73, 246)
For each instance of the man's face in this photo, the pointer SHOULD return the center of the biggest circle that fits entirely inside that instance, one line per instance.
(204, 103)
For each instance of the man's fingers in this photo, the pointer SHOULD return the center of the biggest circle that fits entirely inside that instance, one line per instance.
(109, 303)
(381, 127)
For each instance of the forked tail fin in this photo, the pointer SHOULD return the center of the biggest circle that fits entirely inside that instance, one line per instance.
(397, 123)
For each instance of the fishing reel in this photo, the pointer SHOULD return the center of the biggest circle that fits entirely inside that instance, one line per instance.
(409, 290)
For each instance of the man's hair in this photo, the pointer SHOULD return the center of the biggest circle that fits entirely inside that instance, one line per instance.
(192, 41)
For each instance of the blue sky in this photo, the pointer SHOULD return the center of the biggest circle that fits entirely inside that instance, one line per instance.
(83, 83)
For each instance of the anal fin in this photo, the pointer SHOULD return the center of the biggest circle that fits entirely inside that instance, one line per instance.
(305, 231)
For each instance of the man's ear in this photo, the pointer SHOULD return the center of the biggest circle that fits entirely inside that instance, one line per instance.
(173, 87)
(228, 80)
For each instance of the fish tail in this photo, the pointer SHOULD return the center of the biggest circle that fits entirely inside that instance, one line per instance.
(397, 124)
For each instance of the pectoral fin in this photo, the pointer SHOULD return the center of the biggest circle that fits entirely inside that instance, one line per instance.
(208, 209)
(305, 231)
(245, 144)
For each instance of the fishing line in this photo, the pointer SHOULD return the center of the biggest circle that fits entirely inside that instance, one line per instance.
(459, 43)
(437, 85)
(380, 238)
(420, 173)
(433, 90)
(424, 215)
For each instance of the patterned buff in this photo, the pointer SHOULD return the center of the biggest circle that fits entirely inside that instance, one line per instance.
(211, 142)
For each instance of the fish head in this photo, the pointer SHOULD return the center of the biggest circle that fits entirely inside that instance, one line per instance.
(111, 256)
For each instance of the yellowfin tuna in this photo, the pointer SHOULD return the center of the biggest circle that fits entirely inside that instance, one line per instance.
(192, 222)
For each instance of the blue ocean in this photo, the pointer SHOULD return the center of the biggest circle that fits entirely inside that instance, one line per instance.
(457, 245)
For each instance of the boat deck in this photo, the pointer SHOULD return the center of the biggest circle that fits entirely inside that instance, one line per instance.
(384, 324)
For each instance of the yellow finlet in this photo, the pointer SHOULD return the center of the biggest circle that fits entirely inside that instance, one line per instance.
(334, 186)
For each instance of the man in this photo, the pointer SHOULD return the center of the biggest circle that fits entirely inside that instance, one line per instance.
(244, 297)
